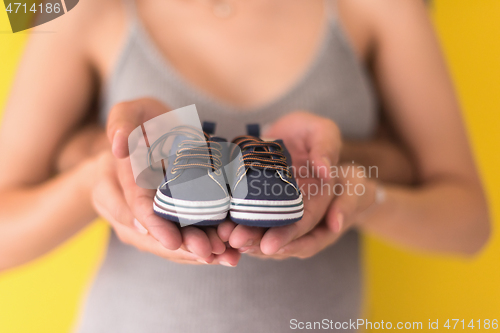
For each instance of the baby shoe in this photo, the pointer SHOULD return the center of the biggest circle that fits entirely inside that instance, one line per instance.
(194, 190)
(264, 191)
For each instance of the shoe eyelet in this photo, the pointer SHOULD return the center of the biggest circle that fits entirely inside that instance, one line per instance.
(176, 162)
(173, 171)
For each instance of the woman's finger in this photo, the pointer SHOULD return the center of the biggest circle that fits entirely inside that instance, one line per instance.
(229, 258)
(196, 241)
(148, 244)
(166, 232)
(245, 236)
(346, 207)
(319, 137)
(342, 208)
(140, 202)
(225, 229)
(109, 202)
(309, 245)
(315, 208)
(125, 117)
(323, 143)
(107, 195)
(218, 246)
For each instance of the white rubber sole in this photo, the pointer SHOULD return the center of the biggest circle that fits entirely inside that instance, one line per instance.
(251, 216)
(261, 213)
(190, 212)
(266, 212)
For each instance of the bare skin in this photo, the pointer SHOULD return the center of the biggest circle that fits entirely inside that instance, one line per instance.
(41, 207)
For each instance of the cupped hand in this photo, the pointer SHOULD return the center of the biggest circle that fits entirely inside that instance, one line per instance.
(129, 207)
(356, 196)
(198, 247)
(314, 145)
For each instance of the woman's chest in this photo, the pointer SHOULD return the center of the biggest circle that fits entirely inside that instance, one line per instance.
(245, 60)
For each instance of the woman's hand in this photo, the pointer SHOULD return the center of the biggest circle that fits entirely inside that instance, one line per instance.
(314, 145)
(356, 196)
(109, 200)
(118, 198)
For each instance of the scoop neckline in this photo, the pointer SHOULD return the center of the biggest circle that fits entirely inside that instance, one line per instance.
(164, 65)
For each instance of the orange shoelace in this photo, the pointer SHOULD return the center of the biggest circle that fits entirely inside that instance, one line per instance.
(199, 151)
(261, 156)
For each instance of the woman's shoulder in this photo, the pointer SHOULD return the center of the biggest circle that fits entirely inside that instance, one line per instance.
(369, 22)
(86, 18)
(106, 26)
(93, 29)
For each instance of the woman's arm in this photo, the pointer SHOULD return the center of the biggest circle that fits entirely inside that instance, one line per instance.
(393, 162)
(35, 219)
(448, 210)
(445, 208)
(50, 96)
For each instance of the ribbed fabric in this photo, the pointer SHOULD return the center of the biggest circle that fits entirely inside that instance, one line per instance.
(139, 292)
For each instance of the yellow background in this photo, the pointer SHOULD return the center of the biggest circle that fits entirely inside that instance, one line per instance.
(400, 285)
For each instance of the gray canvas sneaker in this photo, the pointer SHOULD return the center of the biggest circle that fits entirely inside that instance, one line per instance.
(194, 190)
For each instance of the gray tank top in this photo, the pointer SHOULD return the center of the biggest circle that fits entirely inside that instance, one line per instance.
(139, 292)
